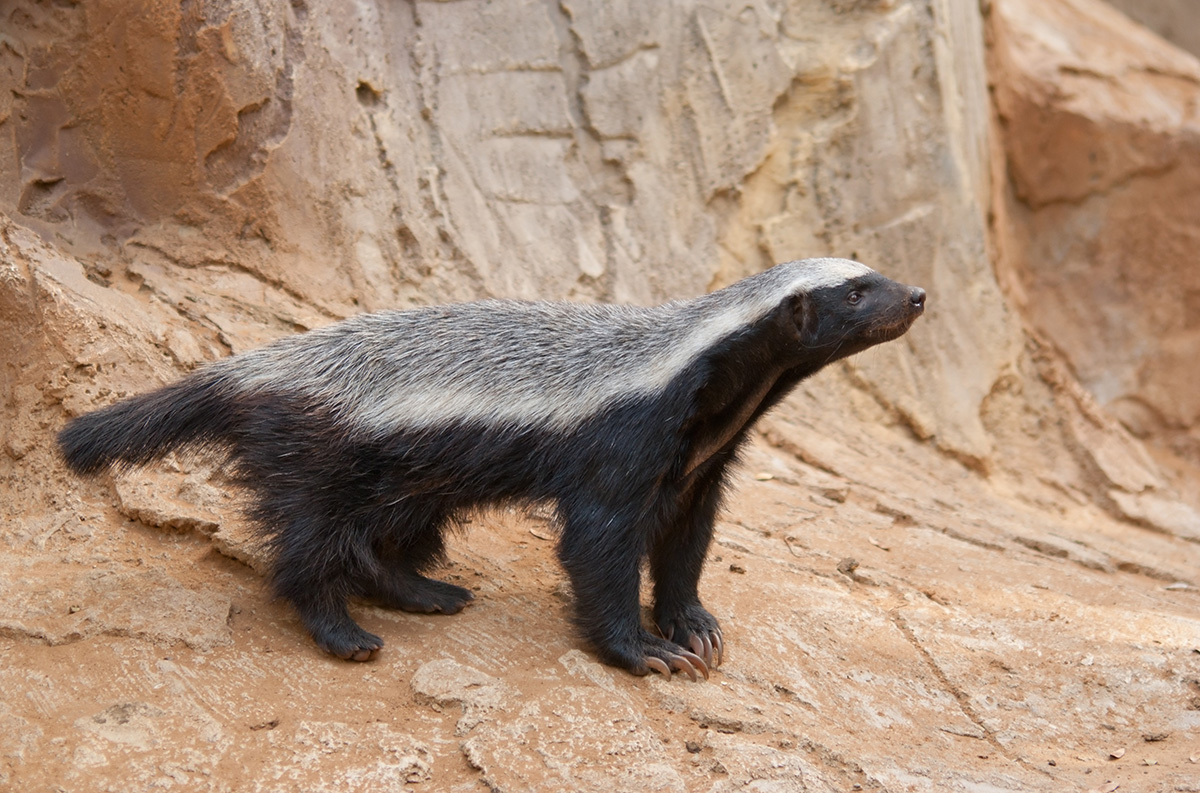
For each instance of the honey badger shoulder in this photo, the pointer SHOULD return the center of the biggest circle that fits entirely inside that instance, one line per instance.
(360, 442)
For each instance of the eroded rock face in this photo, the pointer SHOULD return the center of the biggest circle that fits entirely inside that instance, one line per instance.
(1101, 131)
(180, 181)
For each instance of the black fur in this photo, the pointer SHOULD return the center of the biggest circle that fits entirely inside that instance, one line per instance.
(350, 513)
(193, 412)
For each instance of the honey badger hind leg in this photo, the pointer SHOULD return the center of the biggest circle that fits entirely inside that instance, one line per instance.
(318, 582)
(313, 508)
(322, 554)
(676, 560)
(411, 542)
(601, 550)
(334, 630)
(413, 592)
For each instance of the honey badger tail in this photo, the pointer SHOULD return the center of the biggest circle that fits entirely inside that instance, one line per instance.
(134, 431)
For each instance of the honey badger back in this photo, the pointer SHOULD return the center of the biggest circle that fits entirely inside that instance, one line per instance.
(360, 442)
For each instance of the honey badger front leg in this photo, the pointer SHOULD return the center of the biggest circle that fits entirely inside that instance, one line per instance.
(601, 549)
(676, 561)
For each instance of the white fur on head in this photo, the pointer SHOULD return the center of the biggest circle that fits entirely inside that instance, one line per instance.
(819, 273)
(802, 275)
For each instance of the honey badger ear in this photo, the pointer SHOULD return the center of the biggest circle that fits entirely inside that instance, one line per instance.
(804, 315)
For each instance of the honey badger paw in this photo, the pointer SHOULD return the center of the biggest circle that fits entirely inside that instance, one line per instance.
(349, 642)
(659, 655)
(693, 627)
(416, 593)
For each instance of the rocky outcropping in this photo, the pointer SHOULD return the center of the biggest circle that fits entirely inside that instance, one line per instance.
(948, 564)
(1101, 133)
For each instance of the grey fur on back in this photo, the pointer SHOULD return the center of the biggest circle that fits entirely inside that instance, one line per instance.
(511, 362)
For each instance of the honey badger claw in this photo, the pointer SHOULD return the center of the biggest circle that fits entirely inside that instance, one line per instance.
(684, 661)
(660, 666)
(691, 664)
(697, 645)
(349, 644)
(693, 627)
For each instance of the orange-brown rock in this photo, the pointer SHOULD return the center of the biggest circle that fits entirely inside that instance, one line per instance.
(945, 567)
(1174, 20)
(1100, 125)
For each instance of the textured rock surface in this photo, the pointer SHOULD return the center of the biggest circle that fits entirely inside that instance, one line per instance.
(1174, 20)
(1101, 131)
(944, 567)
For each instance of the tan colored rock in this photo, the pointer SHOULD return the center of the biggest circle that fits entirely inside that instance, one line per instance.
(106, 600)
(952, 568)
(1101, 122)
(445, 682)
(1174, 20)
(323, 164)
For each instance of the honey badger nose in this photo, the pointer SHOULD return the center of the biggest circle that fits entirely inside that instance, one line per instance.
(916, 296)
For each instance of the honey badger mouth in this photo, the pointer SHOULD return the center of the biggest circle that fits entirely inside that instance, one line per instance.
(895, 322)
(889, 328)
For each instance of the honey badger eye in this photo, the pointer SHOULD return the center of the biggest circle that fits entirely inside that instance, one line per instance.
(853, 298)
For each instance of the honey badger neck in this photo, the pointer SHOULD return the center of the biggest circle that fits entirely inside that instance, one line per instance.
(754, 369)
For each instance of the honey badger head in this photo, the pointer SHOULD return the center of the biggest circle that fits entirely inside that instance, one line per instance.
(840, 319)
(811, 312)
(787, 323)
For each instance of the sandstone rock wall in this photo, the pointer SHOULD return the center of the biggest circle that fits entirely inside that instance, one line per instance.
(263, 167)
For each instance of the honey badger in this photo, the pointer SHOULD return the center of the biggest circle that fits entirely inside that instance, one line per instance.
(361, 442)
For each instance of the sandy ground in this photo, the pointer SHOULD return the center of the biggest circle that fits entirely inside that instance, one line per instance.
(893, 623)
